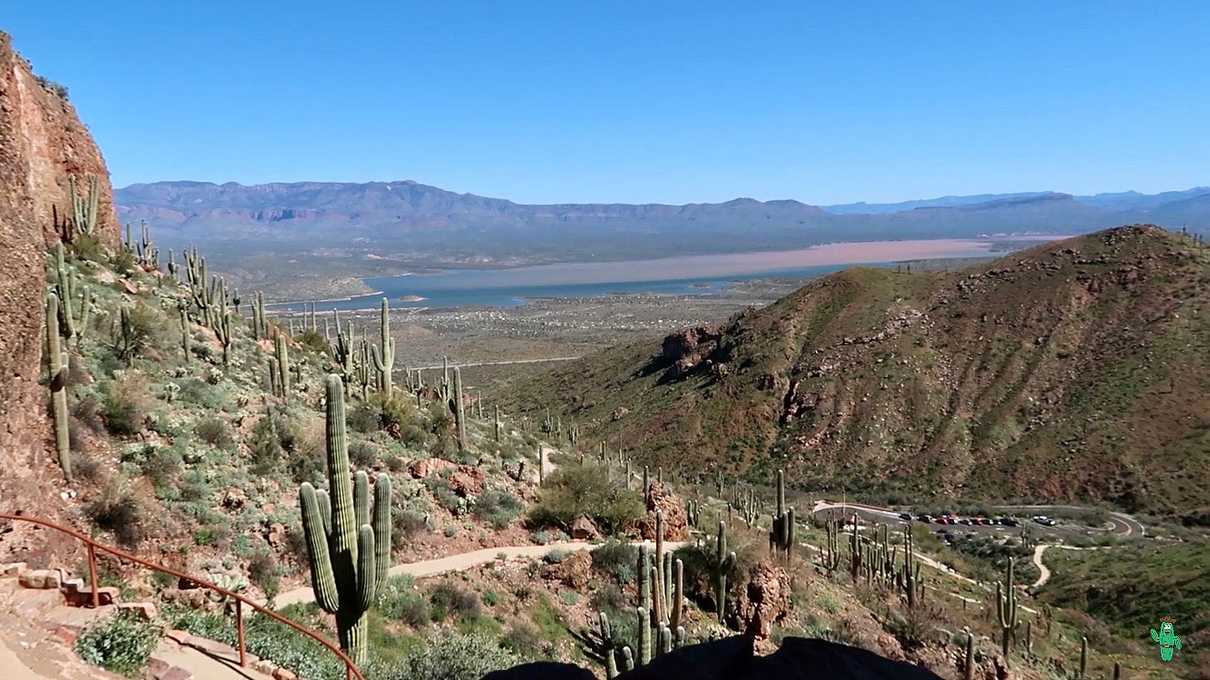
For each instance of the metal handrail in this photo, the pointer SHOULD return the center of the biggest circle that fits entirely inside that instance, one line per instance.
(351, 670)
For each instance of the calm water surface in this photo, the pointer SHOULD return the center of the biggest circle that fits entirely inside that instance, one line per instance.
(685, 275)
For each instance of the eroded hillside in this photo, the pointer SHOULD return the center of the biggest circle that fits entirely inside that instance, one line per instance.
(1076, 370)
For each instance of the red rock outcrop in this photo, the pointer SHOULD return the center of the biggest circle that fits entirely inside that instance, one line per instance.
(676, 525)
(42, 143)
(765, 600)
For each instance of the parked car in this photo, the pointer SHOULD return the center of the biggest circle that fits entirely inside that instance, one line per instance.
(925, 518)
(905, 516)
(1044, 520)
(966, 521)
(1011, 522)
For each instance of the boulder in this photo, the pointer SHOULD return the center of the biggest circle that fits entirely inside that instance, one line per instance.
(583, 529)
(467, 481)
(766, 599)
(676, 525)
(574, 572)
(428, 466)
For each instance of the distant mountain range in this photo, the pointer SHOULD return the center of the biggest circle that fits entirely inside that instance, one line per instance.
(417, 217)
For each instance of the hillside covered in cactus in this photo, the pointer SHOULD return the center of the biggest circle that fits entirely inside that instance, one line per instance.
(1076, 371)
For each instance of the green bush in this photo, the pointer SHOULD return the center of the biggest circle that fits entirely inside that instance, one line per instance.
(264, 573)
(120, 644)
(447, 599)
(125, 406)
(617, 559)
(522, 638)
(450, 656)
(313, 341)
(201, 393)
(497, 507)
(216, 432)
(146, 330)
(265, 445)
(406, 523)
(161, 466)
(399, 600)
(364, 454)
(586, 490)
(118, 511)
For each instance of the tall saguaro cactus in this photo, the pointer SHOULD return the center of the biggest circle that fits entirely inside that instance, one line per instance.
(781, 534)
(459, 409)
(283, 367)
(1006, 609)
(384, 358)
(723, 561)
(85, 208)
(350, 549)
(57, 362)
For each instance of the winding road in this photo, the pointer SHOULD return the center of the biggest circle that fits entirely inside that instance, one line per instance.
(1123, 525)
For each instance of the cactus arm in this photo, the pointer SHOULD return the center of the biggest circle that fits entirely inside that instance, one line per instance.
(382, 527)
(367, 572)
(323, 581)
(361, 497)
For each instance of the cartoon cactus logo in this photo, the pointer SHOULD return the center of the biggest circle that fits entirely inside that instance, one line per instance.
(1166, 638)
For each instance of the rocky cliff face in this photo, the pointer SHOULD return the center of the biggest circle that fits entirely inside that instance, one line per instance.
(42, 143)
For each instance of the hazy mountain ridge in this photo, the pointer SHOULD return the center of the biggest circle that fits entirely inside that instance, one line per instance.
(430, 217)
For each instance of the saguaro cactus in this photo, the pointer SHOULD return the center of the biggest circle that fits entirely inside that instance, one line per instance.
(724, 561)
(384, 357)
(57, 362)
(781, 534)
(283, 367)
(459, 409)
(350, 550)
(1006, 609)
(969, 666)
(73, 324)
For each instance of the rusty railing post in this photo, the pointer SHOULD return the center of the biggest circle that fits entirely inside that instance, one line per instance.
(92, 576)
(239, 628)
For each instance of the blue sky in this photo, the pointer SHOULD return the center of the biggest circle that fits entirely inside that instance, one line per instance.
(632, 102)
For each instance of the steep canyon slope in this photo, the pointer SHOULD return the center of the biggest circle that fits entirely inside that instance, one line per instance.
(1079, 370)
(42, 143)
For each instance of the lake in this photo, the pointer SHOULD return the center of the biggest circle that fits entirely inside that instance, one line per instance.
(681, 275)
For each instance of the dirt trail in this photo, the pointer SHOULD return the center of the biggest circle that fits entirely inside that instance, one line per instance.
(460, 562)
(1043, 571)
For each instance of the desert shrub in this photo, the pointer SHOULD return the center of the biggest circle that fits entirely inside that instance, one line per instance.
(200, 393)
(309, 460)
(194, 487)
(77, 371)
(87, 410)
(145, 329)
(265, 445)
(556, 556)
(120, 643)
(123, 261)
(363, 417)
(266, 638)
(87, 247)
(216, 432)
(451, 656)
(610, 597)
(264, 573)
(84, 466)
(406, 522)
(447, 598)
(119, 512)
(125, 406)
(497, 507)
(399, 600)
(313, 341)
(161, 465)
(440, 488)
(522, 638)
(586, 490)
(617, 559)
(364, 454)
